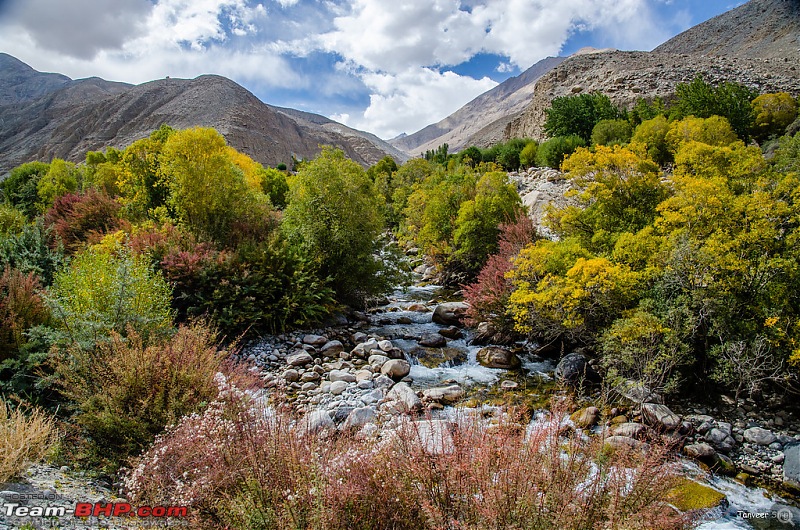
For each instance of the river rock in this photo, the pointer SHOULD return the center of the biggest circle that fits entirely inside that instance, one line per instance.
(625, 443)
(791, 464)
(396, 368)
(315, 340)
(291, 375)
(629, 429)
(446, 394)
(451, 332)
(299, 359)
(318, 421)
(585, 417)
(310, 376)
(484, 334)
(660, 417)
(377, 360)
(574, 370)
(359, 417)
(332, 348)
(385, 345)
(338, 387)
(496, 357)
(450, 313)
(721, 440)
(403, 399)
(341, 375)
(432, 340)
(364, 375)
(418, 308)
(700, 451)
(759, 436)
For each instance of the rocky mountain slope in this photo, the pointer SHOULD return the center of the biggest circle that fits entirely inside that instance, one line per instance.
(48, 115)
(755, 44)
(501, 103)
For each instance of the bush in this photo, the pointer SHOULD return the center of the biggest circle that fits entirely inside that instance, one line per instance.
(103, 292)
(728, 100)
(34, 250)
(21, 308)
(23, 439)
(20, 187)
(127, 390)
(611, 132)
(652, 134)
(552, 152)
(61, 178)
(527, 157)
(245, 467)
(78, 219)
(11, 220)
(773, 113)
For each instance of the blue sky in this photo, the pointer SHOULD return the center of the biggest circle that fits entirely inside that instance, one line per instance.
(383, 66)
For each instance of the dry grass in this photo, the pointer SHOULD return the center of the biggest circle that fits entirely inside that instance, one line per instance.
(24, 439)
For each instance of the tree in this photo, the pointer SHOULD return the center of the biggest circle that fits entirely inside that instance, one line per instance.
(208, 192)
(711, 131)
(527, 157)
(578, 114)
(773, 113)
(729, 100)
(61, 178)
(552, 152)
(334, 217)
(652, 134)
(611, 132)
(20, 187)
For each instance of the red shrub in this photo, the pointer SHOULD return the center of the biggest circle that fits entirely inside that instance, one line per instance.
(488, 296)
(21, 307)
(83, 218)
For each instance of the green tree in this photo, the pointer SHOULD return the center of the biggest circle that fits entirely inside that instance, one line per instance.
(527, 157)
(729, 100)
(578, 114)
(552, 152)
(61, 178)
(611, 132)
(102, 292)
(20, 187)
(334, 216)
(11, 220)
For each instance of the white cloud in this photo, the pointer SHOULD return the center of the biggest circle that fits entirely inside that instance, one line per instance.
(412, 99)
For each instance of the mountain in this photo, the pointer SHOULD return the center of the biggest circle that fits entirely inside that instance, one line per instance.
(500, 103)
(43, 116)
(755, 44)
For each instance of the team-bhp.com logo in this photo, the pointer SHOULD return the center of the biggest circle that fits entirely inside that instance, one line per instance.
(98, 509)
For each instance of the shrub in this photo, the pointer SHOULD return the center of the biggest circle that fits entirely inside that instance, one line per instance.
(611, 132)
(79, 219)
(61, 178)
(652, 133)
(11, 220)
(20, 187)
(773, 113)
(102, 291)
(23, 439)
(488, 296)
(527, 157)
(35, 250)
(552, 152)
(245, 467)
(21, 308)
(728, 100)
(126, 391)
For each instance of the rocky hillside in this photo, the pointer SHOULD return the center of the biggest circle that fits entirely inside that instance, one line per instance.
(49, 115)
(501, 103)
(755, 44)
(763, 29)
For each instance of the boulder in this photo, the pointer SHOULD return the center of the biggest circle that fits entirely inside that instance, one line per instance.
(759, 436)
(629, 429)
(310, 376)
(484, 334)
(660, 417)
(291, 375)
(451, 332)
(702, 452)
(342, 375)
(791, 464)
(574, 370)
(432, 340)
(315, 340)
(404, 398)
(359, 417)
(446, 394)
(720, 439)
(418, 308)
(332, 348)
(585, 417)
(385, 345)
(625, 443)
(450, 313)
(338, 387)
(318, 421)
(396, 368)
(496, 357)
(377, 360)
(299, 359)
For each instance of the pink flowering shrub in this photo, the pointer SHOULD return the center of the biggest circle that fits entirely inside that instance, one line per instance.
(243, 465)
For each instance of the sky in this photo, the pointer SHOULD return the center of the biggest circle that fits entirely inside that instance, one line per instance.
(383, 66)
